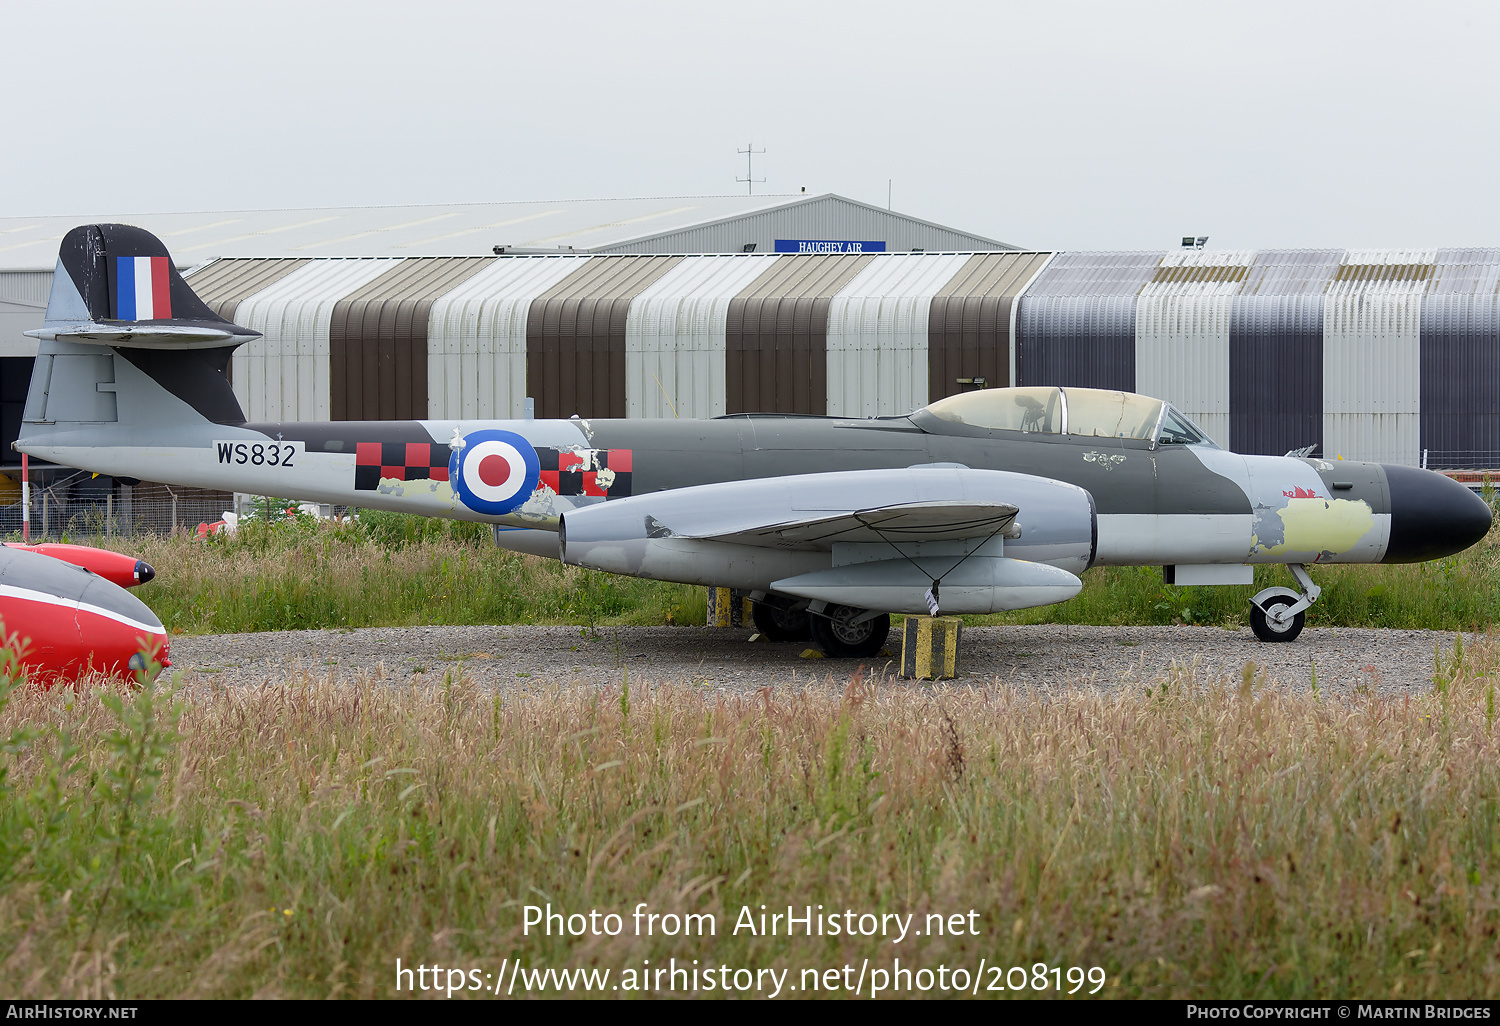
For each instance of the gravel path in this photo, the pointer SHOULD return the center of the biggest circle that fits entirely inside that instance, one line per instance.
(1048, 656)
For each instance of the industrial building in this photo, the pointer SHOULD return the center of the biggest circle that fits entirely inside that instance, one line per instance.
(1386, 355)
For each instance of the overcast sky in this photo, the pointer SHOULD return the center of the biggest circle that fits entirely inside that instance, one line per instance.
(1052, 125)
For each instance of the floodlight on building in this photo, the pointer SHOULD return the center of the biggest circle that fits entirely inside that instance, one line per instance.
(749, 248)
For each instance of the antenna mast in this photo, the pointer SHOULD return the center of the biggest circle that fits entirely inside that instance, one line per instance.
(750, 151)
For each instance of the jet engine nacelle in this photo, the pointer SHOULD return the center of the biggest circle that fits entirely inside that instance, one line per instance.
(753, 534)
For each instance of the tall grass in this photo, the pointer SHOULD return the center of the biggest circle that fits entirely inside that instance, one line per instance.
(1192, 837)
(385, 570)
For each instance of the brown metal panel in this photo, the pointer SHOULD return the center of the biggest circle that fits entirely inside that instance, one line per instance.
(776, 342)
(968, 326)
(225, 284)
(377, 339)
(575, 336)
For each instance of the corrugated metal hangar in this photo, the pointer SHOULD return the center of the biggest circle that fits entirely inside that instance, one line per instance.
(1368, 355)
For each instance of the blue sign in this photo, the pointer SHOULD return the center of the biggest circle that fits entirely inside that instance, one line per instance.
(827, 246)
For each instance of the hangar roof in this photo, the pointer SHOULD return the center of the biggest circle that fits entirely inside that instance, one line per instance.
(680, 224)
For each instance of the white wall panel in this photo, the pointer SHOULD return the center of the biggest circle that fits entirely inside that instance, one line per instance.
(1372, 355)
(877, 334)
(1182, 334)
(284, 374)
(23, 302)
(674, 336)
(476, 338)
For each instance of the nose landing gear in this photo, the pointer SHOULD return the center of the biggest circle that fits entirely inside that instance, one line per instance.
(1278, 614)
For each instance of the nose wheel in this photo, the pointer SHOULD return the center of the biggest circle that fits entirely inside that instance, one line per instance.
(1272, 622)
(1279, 614)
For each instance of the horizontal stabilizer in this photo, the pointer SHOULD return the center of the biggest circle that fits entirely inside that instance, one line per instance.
(145, 336)
(115, 285)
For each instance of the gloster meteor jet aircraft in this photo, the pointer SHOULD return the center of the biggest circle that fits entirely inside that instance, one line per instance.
(989, 500)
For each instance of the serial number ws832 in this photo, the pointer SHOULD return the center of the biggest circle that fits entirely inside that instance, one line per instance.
(260, 454)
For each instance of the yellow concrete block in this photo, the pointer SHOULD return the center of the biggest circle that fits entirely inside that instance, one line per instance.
(929, 647)
(729, 607)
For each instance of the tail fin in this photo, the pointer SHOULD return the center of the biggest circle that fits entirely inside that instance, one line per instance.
(126, 340)
(115, 285)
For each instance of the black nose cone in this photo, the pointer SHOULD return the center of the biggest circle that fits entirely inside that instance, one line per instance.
(1431, 515)
(143, 571)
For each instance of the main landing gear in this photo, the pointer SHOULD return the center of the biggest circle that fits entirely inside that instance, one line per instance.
(1278, 614)
(845, 632)
(779, 618)
(840, 632)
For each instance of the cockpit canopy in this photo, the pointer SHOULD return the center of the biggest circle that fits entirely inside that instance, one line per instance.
(1049, 410)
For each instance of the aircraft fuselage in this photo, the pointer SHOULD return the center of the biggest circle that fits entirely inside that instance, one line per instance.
(1156, 504)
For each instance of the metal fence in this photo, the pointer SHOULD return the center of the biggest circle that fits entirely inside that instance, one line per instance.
(1461, 459)
(121, 511)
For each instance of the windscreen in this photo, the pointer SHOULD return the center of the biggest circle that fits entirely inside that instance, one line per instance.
(1176, 429)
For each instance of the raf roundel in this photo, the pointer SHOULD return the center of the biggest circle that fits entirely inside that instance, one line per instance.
(495, 471)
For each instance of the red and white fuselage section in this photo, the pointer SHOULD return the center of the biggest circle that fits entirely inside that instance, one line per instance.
(66, 622)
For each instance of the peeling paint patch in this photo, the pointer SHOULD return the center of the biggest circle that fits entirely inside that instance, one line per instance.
(377, 462)
(1324, 526)
(601, 473)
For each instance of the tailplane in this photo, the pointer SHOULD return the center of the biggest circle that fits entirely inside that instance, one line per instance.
(115, 285)
(128, 351)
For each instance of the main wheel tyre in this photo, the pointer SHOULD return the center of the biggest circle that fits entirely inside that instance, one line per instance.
(1267, 629)
(840, 637)
(775, 619)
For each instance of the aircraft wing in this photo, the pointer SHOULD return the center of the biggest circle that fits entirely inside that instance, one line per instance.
(824, 537)
(907, 521)
(813, 512)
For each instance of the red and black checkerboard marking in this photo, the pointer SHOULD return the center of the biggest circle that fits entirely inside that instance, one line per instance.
(569, 472)
(404, 461)
(566, 472)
